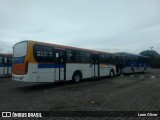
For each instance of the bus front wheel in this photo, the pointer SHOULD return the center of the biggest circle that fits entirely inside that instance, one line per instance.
(76, 77)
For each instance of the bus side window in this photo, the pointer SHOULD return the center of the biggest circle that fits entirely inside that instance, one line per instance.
(102, 58)
(69, 55)
(5, 60)
(88, 57)
(82, 57)
(95, 58)
(43, 53)
(10, 60)
(128, 60)
(59, 56)
(75, 56)
(1, 60)
(113, 60)
(107, 58)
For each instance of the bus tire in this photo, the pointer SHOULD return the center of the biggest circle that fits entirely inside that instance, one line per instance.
(77, 76)
(111, 74)
(132, 71)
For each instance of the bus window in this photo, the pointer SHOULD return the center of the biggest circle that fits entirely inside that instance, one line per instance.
(113, 60)
(1, 60)
(60, 56)
(69, 55)
(9, 60)
(95, 58)
(88, 57)
(102, 58)
(75, 56)
(82, 57)
(43, 53)
(108, 58)
(122, 59)
(20, 49)
(5, 60)
(128, 60)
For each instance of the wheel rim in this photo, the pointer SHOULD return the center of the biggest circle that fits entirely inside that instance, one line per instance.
(132, 71)
(111, 74)
(77, 77)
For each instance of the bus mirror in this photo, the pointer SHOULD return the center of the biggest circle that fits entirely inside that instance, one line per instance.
(57, 55)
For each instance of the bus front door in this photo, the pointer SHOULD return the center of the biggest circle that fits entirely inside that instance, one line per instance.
(60, 65)
(95, 66)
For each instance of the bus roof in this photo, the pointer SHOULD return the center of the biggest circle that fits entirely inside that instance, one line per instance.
(125, 54)
(5, 54)
(65, 47)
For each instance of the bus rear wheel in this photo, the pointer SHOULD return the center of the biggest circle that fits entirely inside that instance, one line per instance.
(76, 77)
(132, 71)
(111, 73)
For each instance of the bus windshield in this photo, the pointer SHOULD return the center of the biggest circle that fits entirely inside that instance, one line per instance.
(20, 49)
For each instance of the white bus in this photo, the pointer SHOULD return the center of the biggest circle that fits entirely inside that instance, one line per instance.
(43, 62)
(5, 64)
(133, 63)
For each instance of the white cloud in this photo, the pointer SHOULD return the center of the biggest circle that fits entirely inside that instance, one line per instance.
(107, 24)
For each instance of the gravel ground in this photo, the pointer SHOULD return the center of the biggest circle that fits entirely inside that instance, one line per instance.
(122, 93)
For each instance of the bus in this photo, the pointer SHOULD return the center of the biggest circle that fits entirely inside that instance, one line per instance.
(5, 64)
(35, 61)
(133, 63)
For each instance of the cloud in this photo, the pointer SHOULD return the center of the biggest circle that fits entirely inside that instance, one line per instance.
(110, 25)
(5, 47)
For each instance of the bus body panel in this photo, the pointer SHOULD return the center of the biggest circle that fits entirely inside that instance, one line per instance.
(10, 70)
(5, 70)
(31, 76)
(136, 70)
(86, 70)
(5, 64)
(46, 73)
(105, 69)
(133, 63)
(29, 66)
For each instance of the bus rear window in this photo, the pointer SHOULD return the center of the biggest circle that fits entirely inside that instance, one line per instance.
(20, 49)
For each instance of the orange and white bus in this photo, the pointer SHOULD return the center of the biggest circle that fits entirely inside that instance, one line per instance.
(43, 62)
(5, 64)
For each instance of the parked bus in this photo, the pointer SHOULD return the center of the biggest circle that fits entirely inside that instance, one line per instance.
(133, 63)
(5, 64)
(43, 62)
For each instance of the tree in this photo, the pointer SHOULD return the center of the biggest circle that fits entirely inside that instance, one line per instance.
(155, 57)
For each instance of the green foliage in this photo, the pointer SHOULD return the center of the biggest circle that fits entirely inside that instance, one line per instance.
(155, 57)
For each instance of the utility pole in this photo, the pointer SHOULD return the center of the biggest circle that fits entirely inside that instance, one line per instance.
(152, 56)
(151, 48)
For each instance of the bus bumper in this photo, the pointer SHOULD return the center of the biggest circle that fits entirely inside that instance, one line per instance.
(24, 78)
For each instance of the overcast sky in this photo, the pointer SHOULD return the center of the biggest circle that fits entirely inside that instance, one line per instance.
(108, 25)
